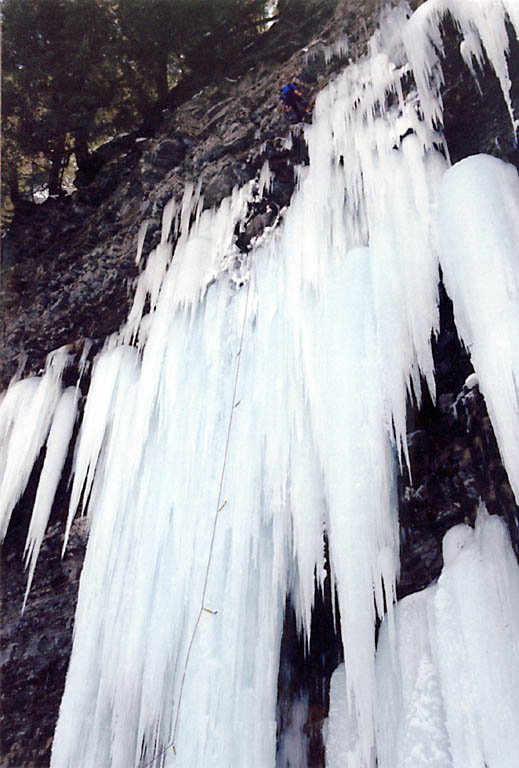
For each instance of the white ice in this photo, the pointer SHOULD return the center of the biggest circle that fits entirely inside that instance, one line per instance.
(56, 453)
(26, 413)
(340, 730)
(448, 693)
(482, 24)
(478, 233)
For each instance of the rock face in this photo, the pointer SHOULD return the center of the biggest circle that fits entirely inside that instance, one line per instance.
(36, 645)
(455, 463)
(74, 263)
(169, 153)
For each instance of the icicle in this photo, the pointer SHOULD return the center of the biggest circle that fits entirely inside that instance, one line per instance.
(83, 360)
(483, 26)
(205, 248)
(478, 225)
(96, 423)
(57, 448)
(26, 413)
(140, 240)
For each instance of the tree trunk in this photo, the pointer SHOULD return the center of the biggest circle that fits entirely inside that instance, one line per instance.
(14, 185)
(57, 156)
(81, 151)
(161, 80)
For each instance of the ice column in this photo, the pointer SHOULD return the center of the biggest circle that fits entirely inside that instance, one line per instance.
(478, 227)
(57, 448)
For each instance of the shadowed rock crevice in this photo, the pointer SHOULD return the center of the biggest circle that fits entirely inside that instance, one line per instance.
(455, 463)
(304, 680)
(36, 645)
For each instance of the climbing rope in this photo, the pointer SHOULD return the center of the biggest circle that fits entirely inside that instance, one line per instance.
(219, 507)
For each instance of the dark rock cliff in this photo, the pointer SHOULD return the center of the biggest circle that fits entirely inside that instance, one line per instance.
(74, 267)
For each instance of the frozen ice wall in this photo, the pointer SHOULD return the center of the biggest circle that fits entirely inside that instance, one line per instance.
(448, 691)
(259, 404)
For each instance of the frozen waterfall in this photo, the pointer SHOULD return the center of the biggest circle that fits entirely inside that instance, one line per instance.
(252, 405)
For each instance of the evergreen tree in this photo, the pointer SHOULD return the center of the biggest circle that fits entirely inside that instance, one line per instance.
(166, 40)
(59, 82)
(73, 70)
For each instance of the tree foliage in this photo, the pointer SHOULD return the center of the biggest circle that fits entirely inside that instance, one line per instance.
(58, 81)
(75, 71)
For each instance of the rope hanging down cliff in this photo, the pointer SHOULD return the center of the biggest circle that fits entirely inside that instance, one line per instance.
(219, 508)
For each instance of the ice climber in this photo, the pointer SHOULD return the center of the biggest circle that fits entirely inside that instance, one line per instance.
(294, 102)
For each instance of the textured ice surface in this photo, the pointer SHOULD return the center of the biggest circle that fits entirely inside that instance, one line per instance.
(448, 692)
(341, 731)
